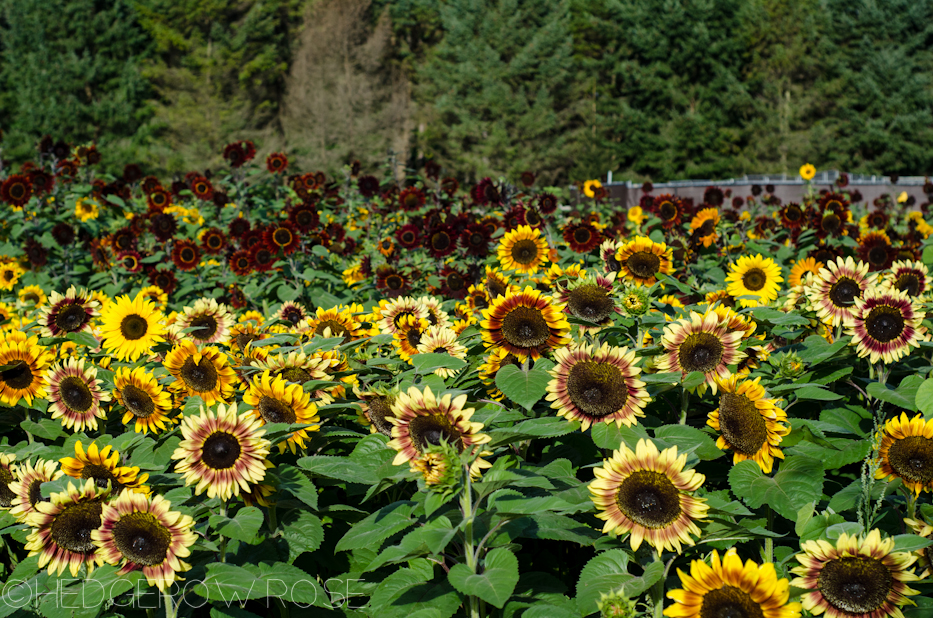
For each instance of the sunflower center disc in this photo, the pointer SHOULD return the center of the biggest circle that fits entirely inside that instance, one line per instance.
(187, 255)
(142, 539)
(221, 450)
(379, 410)
(394, 282)
(495, 287)
(75, 394)
(35, 493)
(912, 458)
(17, 191)
(294, 374)
(428, 430)
(843, 292)
(71, 529)
(590, 302)
(525, 327)
(71, 317)
(877, 256)
(293, 315)
(214, 241)
(6, 494)
(754, 279)
(667, 211)
(455, 282)
(134, 327)
(884, 323)
(793, 213)
(909, 283)
(19, 376)
(275, 411)
(138, 401)
(206, 325)
(643, 264)
(831, 223)
(282, 237)
(729, 602)
(582, 235)
(524, 251)
(200, 377)
(855, 585)
(336, 328)
(649, 499)
(101, 476)
(741, 424)
(440, 241)
(700, 352)
(598, 389)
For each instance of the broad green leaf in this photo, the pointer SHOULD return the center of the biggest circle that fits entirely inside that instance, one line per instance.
(911, 542)
(294, 481)
(544, 427)
(427, 363)
(799, 481)
(303, 532)
(689, 439)
(607, 571)
(523, 388)
(83, 338)
(815, 392)
(290, 584)
(242, 527)
(694, 379)
(496, 581)
(379, 526)
(816, 349)
(924, 398)
(229, 583)
(46, 429)
(612, 437)
(905, 396)
(407, 591)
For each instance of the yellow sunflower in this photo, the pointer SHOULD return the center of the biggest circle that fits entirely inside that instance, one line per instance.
(640, 260)
(441, 340)
(205, 373)
(748, 422)
(62, 528)
(525, 323)
(86, 209)
(9, 275)
(131, 327)
(807, 171)
(801, 268)
(754, 277)
(906, 452)
(523, 249)
(147, 404)
(103, 467)
(649, 494)
(26, 489)
(26, 362)
(704, 225)
(337, 321)
(590, 187)
(729, 589)
(32, 296)
(275, 400)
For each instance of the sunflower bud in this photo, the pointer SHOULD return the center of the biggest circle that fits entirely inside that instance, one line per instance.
(635, 301)
(616, 605)
(789, 365)
(440, 467)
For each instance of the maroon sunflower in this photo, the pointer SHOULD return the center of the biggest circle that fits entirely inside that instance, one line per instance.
(234, 154)
(454, 284)
(262, 258)
(792, 216)
(213, 241)
(440, 241)
(411, 198)
(877, 219)
(283, 237)
(831, 215)
(123, 239)
(252, 237)
(16, 190)
(164, 279)
(240, 263)
(582, 237)
(238, 227)
(42, 181)
(547, 203)
(163, 226)
(276, 163)
(186, 255)
(368, 186)
(408, 236)
(66, 169)
(202, 188)
(669, 209)
(158, 199)
(874, 248)
(131, 261)
(303, 216)
(392, 281)
(149, 183)
(515, 217)
(475, 239)
(450, 185)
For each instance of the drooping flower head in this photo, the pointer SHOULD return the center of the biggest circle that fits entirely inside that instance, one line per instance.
(748, 422)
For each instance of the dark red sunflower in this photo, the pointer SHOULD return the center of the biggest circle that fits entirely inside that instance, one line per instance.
(202, 188)
(368, 186)
(528, 178)
(131, 261)
(877, 219)
(875, 249)
(234, 154)
(149, 184)
(491, 223)
(251, 238)
(261, 257)
(123, 239)
(581, 237)
(63, 234)
(440, 241)
(824, 254)
(163, 226)
(475, 239)
(236, 298)
(66, 169)
(792, 216)
(486, 192)
(714, 196)
(186, 255)
(164, 279)
(42, 181)
(37, 254)
(432, 169)
(514, 217)
(408, 236)
(283, 237)
(238, 227)
(213, 241)
(454, 283)
(16, 190)
(669, 209)
(450, 185)
(304, 216)
(99, 254)
(158, 199)
(241, 263)
(391, 281)
(411, 198)
(547, 203)
(276, 163)
(132, 173)
(336, 231)
(315, 238)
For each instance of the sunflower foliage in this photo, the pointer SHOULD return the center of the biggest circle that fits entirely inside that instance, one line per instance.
(352, 396)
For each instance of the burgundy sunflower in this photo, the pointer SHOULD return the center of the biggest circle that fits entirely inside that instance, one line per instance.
(164, 279)
(16, 190)
(411, 198)
(240, 263)
(186, 255)
(163, 226)
(392, 281)
(408, 236)
(202, 188)
(454, 283)
(276, 163)
(670, 210)
(440, 241)
(874, 248)
(475, 239)
(282, 237)
(581, 237)
(262, 258)
(213, 241)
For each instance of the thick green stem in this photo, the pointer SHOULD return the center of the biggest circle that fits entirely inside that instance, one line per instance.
(657, 591)
(466, 507)
(912, 505)
(273, 522)
(170, 610)
(769, 542)
(684, 400)
(223, 539)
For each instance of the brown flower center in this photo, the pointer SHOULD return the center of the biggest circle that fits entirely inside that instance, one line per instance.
(855, 586)
(843, 292)
(137, 401)
(275, 411)
(700, 352)
(142, 538)
(597, 389)
(525, 252)
(71, 529)
(71, 317)
(729, 602)
(643, 264)
(741, 424)
(912, 458)
(754, 279)
(885, 323)
(649, 499)
(75, 394)
(220, 451)
(134, 327)
(525, 327)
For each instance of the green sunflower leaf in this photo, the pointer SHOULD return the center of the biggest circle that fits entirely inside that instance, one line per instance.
(905, 396)
(83, 338)
(496, 582)
(607, 571)
(694, 379)
(242, 527)
(798, 482)
(427, 363)
(911, 542)
(524, 388)
(379, 526)
(303, 532)
(923, 400)
(294, 481)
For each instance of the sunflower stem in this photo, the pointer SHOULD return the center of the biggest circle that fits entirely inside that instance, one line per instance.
(769, 541)
(684, 400)
(170, 611)
(657, 590)
(466, 507)
(223, 539)
(912, 505)
(273, 521)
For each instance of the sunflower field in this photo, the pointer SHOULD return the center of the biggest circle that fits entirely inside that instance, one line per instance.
(260, 392)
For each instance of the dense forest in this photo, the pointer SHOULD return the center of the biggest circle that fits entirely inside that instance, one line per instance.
(650, 89)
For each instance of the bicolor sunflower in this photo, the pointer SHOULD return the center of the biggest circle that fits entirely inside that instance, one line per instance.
(441, 340)
(925, 529)
(420, 419)
(525, 323)
(640, 260)
(103, 467)
(590, 299)
(130, 328)
(275, 400)
(597, 385)
(885, 325)
(581, 236)
(408, 336)
(391, 312)
(523, 249)
(26, 489)
(147, 403)
(670, 209)
(700, 343)
(791, 216)
(727, 588)
(208, 320)
(436, 314)
(71, 312)
(753, 281)
(909, 276)
(26, 362)
(222, 453)
(139, 533)
(337, 321)
(205, 373)
(858, 577)
(75, 395)
(649, 494)
(62, 528)
(906, 452)
(834, 291)
(8, 474)
(376, 408)
(748, 422)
